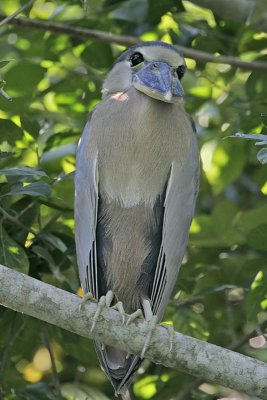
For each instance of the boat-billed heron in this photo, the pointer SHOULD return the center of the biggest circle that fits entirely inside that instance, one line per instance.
(136, 185)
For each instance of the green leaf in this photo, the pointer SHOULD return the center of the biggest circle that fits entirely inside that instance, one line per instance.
(11, 254)
(257, 238)
(9, 131)
(264, 119)
(256, 294)
(81, 391)
(55, 241)
(23, 171)
(4, 63)
(262, 139)
(24, 76)
(42, 252)
(253, 218)
(191, 323)
(228, 161)
(33, 189)
(93, 55)
(31, 126)
(256, 84)
(132, 10)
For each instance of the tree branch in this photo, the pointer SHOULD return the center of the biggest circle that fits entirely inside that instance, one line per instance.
(19, 11)
(62, 29)
(212, 363)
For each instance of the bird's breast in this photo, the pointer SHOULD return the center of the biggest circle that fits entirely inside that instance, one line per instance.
(137, 139)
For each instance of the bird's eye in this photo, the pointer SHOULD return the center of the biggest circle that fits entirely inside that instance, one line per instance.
(180, 71)
(136, 58)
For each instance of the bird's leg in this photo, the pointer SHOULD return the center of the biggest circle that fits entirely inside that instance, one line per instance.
(104, 301)
(119, 307)
(88, 296)
(171, 333)
(137, 314)
(152, 320)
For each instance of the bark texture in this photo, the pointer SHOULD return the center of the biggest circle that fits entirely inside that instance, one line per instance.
(58, 307)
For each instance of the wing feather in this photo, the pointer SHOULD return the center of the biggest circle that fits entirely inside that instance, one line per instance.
(86, 205)
(179, 208)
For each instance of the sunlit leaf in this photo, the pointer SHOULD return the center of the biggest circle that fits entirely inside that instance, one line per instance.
(12, 255)
(81, 392)
(9, 131)
(24, 76)
(30, 125)
(4, 63)
(33, 189)
(23, 171)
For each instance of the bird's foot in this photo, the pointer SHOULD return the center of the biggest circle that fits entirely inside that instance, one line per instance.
(150, 318)
(151, 327)
(104, 302)
(171, 333)
(119, 307)
(87, 297)
(137, 314)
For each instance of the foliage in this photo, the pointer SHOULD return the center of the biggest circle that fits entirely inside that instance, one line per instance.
(261, 141)
(54, 81)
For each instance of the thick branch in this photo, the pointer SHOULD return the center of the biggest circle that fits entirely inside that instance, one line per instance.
(131, 40)
(212, 363)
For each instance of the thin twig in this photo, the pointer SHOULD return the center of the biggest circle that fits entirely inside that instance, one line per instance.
(11, 337)
(131, 40)
(19, 11)
(17, 222)
(258, 328)
(5, 94)
(46, 339)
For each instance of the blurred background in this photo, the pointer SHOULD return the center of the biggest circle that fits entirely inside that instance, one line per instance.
(54, 80)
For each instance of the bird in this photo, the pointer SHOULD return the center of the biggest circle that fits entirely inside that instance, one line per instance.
(136, 183)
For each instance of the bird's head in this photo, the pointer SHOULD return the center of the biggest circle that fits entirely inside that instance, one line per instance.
(153, 68)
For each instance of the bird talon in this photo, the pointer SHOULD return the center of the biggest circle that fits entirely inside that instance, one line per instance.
(171, 333)
(87, 297)
(152, 325)
(103, 302)
(137, 314)
(119, 307)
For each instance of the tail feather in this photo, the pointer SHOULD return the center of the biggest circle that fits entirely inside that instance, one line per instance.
(118, 368)
(126, 395)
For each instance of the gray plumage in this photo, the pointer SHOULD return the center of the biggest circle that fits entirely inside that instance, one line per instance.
(136, 185)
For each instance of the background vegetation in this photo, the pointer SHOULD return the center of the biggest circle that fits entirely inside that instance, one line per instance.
(55, 80)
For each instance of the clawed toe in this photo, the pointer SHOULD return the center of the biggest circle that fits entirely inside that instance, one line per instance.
(87, 297)
(152, 320)
(171, 333)
(151, 327)
(105, 301)
(137, 314)
(119, 307)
